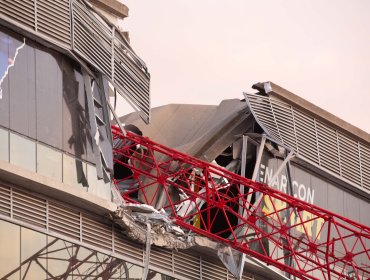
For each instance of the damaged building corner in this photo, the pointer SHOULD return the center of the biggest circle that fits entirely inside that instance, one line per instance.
(199, 164)
(241, 190)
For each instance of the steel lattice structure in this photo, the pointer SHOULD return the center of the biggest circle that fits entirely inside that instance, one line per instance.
(299, 238)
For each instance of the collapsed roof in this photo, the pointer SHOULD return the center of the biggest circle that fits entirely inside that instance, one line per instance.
(321, 141)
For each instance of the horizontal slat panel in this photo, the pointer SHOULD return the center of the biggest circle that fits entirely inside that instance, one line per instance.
(29, 209)
(96, 233)
(22, 11)
(128, 248)
(187, 266)
(64, 221)
(211, 271)
(92, 40)
(312, 139)
(5, 200)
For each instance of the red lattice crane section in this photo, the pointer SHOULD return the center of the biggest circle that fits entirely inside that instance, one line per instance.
(299, 238)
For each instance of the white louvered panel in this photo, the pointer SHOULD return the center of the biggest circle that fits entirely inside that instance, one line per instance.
(131, 79)
(128, 248)
(284, 119)
(124, 56)
(329, 157)
(248, 277)
(5, 203)
(64, 221)
(161, 258)
(91, 21)
(132, 83)
(91, 41)
(96, 233)
(244, 277)
(133, 61)
(262, 108)
(211, 271)
(349, 155)
(186, 265)
(306, 136)
(29, 209)
(315, 141)
(86, 47)
(53, 19)
(365, 166)
(125, 87)
(22, 11)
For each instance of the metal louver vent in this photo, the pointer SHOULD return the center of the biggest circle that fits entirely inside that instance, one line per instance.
(187, 266)
(313, 140)
(130, 79)
(160, 258)
(365, 165)
(92, 40)
(128, 248)
(29, 209)
(64, 221)
(349, 158)
(22, 11)
(96, 233)
(211, 271)
(5, 201)
(328, 147)
(262, 110)
(306, 144)
(73, 25)
(53, 19)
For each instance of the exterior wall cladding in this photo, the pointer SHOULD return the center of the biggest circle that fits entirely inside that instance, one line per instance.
(44, 115)
(55, 175)
(56, 154)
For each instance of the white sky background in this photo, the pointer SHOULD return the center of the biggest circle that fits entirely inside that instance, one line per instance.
(204, 51)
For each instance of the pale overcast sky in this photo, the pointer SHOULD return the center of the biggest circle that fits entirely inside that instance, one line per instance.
(204, 51)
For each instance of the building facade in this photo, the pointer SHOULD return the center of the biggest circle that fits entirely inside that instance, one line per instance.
(60, 61)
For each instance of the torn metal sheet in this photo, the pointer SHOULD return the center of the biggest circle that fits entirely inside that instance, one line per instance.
(134, 218)
(203, 131)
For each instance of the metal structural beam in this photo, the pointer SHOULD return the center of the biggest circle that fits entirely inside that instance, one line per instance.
(205, 199)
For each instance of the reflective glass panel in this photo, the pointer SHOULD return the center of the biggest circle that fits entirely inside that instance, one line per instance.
(33, 245)
(59, 253)
(10, 250)
(22, 91)
(49, 97)
(4, 90)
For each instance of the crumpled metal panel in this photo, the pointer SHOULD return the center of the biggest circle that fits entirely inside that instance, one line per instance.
(203, 131)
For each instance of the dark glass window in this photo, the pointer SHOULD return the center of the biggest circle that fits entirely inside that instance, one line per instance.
(49, 98)
(4, 96)
(74, 113)
(22, 92)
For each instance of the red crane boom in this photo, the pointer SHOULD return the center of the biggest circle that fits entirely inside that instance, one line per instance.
(297, 237)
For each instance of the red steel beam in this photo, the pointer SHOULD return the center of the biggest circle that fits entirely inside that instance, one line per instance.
(297, 237)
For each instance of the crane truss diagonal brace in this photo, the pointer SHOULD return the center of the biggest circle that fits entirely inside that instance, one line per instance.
(299, 238)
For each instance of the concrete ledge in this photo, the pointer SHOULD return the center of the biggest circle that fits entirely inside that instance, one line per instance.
(36, 183)
(112, 6)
